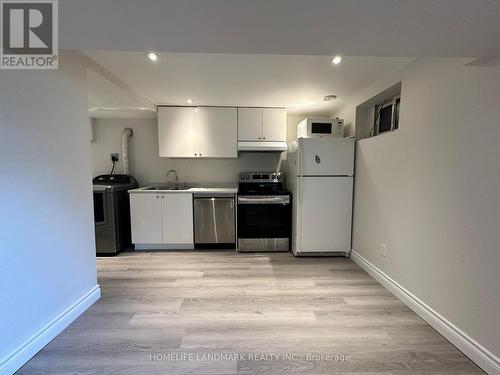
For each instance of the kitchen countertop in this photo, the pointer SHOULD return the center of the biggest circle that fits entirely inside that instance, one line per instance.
(222, 188)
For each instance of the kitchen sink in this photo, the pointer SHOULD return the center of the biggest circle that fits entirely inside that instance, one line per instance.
(168, 187)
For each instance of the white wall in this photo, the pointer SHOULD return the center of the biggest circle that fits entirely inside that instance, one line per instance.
(46, 219)
(147, 166)
(291, 126)
(431, 192)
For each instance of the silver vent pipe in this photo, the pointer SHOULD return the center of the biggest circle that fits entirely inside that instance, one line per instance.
(283, 157)
(127, 133)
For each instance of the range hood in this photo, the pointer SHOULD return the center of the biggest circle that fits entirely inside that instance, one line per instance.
(248, 146)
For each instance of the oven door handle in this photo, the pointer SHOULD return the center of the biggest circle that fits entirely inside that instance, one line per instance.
(264, 199)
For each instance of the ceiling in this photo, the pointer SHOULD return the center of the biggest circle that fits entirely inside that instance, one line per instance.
(296, 82)
(383, 28)
(263, 52)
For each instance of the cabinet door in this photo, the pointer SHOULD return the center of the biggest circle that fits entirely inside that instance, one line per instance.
(216, 131)
(177, 213)
(274, 124)
(176, 131)
(146, 218)
(249, 124)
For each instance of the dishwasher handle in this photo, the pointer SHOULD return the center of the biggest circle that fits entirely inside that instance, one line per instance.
(214, 220)
(216, 199)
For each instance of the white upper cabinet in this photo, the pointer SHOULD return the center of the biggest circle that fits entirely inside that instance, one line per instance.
(249, 124)
(188, 132)
(274, 124)
(176, 131)
(216, 131)
(262, 124)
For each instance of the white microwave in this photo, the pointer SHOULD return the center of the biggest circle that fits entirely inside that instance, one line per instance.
(320, 127)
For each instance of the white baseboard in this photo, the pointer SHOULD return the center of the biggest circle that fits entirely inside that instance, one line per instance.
(471, 348)
(36, 343)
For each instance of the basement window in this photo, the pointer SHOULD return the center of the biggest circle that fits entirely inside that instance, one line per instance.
(386, 116)
(379, 114)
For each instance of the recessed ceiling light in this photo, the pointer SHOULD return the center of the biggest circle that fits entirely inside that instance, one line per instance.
(152, 56)
(327, 98)
(336, 60)
(189, 101)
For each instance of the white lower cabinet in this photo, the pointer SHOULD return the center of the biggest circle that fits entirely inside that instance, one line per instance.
(162, 219)
(146, 218)
(177, 218)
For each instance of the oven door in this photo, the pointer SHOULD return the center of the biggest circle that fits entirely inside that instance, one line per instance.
(264, 216)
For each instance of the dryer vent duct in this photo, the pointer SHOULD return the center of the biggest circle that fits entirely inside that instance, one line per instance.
(127, 133)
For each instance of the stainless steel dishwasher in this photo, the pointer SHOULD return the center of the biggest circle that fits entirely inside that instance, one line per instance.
(214, 220)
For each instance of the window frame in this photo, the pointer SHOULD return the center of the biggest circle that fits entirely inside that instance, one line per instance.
(378, 108)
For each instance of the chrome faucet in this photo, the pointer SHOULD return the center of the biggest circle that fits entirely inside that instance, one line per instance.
(176, 176)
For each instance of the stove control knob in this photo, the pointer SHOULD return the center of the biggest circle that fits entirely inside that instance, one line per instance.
(279, 177)
(274, 176)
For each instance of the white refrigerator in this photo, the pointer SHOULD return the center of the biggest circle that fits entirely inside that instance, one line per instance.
(320, 176)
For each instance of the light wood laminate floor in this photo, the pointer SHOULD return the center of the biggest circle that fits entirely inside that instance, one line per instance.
(228, 313)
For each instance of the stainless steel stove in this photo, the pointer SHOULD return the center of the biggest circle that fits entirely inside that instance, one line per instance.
(264, 213)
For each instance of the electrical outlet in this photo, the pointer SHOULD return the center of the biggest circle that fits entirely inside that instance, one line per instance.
(383, 250)
(115, 156)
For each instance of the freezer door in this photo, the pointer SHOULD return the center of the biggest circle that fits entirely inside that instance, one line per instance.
(324, 214)
(326, 156)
